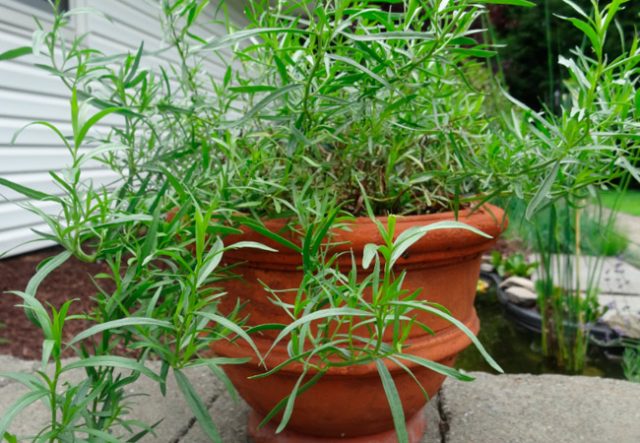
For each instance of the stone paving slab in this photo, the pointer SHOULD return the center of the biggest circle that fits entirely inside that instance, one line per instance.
(617, 276)
(493, 409)
(541, 409)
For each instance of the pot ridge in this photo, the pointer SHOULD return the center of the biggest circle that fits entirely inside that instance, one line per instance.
(438, 246)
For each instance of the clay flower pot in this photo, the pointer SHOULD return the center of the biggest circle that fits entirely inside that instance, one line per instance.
(350, 402)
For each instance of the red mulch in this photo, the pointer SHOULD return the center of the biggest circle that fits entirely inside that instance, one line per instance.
(18, 336)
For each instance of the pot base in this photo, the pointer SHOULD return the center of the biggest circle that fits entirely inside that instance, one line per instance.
(416, 427)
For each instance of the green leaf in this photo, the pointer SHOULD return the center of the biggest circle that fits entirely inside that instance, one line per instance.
(134, 67)
(397, 411)
(361, 68)
(125, 219)
(36, 313)
(102, 435)
(543, 192)
(80, 135)
(123, 322)
(291, 400)
(112, 361)
(263, 104)
(282, 403)
(29, 380)
(252, 245)
(15, 53)
(587, 30)
(232, 327)
(28, 192)
(236, 37)
(42, 123)
(397, 35)
(47, 348)
(262, 230)
(210, 261)
(436, 367)
(197, 406)
(474, 52)
(368, 254)
(44, 270)
(17, 407)
(102, 149)
(252, 88)
(407, 238)
(624, 163)
(317, 315)
(525, 3)
(440, 313)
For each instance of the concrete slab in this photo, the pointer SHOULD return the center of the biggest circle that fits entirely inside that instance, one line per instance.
(617, 277)
(146, 402)
(12, 364)
(544, 408)
(505, 408)
(230, 417)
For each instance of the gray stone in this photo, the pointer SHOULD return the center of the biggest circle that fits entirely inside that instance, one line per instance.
(172, 409)
(433, 422)
(12, 364)
(521, 296)
(147, 403)
(505, 408)
(487, 267)
(31, 420)
(627, 325)
(541, 409)
(229, 415)
(616, 276)
(520, 282)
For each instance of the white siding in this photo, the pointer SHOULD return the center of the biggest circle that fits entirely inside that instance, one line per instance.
(28, 93)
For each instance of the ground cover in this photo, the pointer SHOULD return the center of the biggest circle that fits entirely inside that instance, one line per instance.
(629, 201)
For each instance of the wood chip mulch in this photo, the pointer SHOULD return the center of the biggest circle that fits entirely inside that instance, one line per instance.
(18, 336)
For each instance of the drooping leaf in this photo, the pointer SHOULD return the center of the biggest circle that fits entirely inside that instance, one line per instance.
(121, 323)
(395, 404)
(112, 361)
(197, 406)
(15, 53)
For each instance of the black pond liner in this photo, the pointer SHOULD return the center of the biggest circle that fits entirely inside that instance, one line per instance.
(600, 334)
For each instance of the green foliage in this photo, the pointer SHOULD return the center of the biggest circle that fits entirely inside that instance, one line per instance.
(341, 306)
(631, 362)
(598, 232)
(327, 110)
(515, 264)
(627, 202)
(2, 340)
(526, 53)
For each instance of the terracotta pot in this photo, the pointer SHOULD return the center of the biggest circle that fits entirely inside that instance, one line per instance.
(350, 402)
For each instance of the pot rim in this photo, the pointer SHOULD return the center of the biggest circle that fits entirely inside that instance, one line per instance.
(438, 246)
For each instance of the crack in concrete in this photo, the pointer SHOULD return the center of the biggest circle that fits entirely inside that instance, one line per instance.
(443, 425)
(192, 421)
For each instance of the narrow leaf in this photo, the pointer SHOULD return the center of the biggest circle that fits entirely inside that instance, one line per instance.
(197, 406)
(123, 322)
(15, 53)
(397, 411)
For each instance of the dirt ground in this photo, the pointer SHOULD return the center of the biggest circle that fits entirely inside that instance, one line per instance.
(18, 336)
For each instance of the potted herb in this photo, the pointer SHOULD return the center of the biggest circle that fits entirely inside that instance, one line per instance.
(345, 115)
(355, 139)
